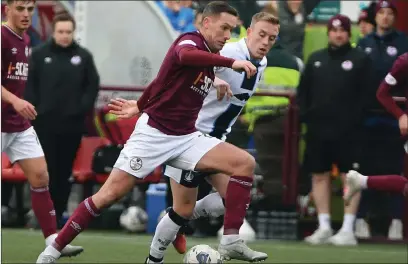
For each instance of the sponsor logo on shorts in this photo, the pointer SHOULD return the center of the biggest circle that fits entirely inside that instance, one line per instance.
(135, 163)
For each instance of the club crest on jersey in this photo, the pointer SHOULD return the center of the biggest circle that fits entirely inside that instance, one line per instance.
(27, 51)
(202, 85)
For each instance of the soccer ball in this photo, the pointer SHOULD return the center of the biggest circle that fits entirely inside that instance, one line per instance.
(133, 219)
(202, 254)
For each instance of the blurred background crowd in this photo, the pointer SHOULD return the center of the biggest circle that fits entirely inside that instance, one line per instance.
(289, 188)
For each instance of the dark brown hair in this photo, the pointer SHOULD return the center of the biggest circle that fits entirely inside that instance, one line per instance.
(63, 17)
(217, 7)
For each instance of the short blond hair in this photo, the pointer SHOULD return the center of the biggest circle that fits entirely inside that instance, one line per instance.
(264, 16)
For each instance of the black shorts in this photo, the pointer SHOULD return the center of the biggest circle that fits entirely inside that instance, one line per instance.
(320, 155)
(186, 178)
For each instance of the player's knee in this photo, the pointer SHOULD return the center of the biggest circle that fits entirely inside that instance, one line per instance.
(177, 218)
(184, 208)
(244, 165)
(38, 178)
(105, 197)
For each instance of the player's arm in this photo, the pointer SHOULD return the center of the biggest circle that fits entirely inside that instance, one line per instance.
(223, 88)
(393, 78)
(8, 97)
(91, 85)
(189, 55)
(24, 108)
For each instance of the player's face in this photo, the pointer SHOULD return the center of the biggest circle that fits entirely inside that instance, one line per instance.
(219, 29)
(20, 13)
(261, 38)
(385, 18)
(64, 33)
(365, 28)
(338, 37)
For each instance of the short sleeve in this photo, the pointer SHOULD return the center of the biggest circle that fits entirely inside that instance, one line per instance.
(398, 72)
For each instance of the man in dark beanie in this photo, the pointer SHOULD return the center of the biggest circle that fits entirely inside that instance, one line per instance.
(366, 20)
(329, 98)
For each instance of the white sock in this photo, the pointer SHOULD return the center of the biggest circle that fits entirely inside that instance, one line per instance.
(165, 233)
(324, 221)
(348, 223)
(50, 239)
(50, 250)
(363, 181)
(228, 239)
(210, 205)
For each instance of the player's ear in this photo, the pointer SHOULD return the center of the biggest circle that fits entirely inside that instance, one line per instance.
(206, 22)
(249, 31)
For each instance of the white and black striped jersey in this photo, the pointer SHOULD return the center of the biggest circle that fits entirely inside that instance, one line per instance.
(216, 117)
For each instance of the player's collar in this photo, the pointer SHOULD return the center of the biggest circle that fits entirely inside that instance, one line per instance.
(205, 42)
(12, 31)
(244, 47)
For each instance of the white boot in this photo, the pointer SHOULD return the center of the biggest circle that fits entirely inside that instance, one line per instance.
(362, 229)
(395, 231)
(343, 238)
(320, 236)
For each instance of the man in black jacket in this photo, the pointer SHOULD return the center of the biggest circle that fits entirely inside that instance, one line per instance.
(330, 94)
(62, 85)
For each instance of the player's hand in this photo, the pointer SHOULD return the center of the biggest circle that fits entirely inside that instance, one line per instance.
(223, 88)
(123, 108)
(25, 109)
(244, 65)
(403, 124)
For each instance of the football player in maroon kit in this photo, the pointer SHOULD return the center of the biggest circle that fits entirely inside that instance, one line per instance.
(18, 138)
(397, 78)
(166, 134)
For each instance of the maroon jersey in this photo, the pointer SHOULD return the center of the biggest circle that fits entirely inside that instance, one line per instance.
(14, 71)
(397, 78)
(176, 95)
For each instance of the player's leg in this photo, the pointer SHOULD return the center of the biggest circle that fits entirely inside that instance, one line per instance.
(26, 150)
(184, 199)
(7, 187)
(211, 204)
(346, 158)
(143, 152)
(386, 183)
(319, 164)
(210, 154)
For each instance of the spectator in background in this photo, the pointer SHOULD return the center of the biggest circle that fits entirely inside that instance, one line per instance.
(366, 20)
(62, 85)
(198, 18)
(329, 96)
(180, 17)
(293, 14)
(382, 147)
